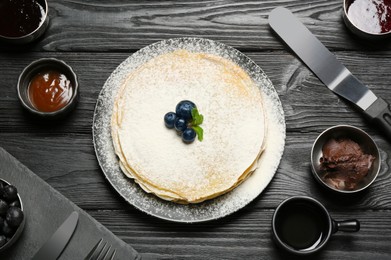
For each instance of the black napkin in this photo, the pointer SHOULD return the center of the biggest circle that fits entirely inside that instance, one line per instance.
(45, 209)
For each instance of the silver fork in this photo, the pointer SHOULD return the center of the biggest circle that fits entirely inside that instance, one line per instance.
(101, 252)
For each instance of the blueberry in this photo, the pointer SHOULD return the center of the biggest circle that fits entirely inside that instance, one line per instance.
(1, 189)
(14, 216)
(188, 135)
(169, 119)
(15, 203)
(1, 224)
(3, 240)
(3, 207)
(10, 193)
(183, 109)
(180, 124)
(8, 231)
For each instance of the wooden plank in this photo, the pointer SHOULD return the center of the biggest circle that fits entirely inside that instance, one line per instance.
(308, 104)
(94, 37)
(92, 25)
(76, 173)
(243, 236)
(309, 109)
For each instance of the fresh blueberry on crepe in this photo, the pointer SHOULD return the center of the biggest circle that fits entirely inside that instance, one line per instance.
(184, 108)
(186, 121)
(188, 135)
(169, 120)
(180, 124)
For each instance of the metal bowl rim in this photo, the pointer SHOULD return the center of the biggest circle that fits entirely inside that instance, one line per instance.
(315, 172)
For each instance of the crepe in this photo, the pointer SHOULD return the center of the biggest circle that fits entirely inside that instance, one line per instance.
(156, 158)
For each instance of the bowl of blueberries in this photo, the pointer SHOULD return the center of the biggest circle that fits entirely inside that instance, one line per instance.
(12, 218)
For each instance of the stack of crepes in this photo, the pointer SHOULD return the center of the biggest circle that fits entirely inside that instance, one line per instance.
(155, 157)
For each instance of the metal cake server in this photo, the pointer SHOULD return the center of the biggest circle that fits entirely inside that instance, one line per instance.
(328, 69)
(53, 248)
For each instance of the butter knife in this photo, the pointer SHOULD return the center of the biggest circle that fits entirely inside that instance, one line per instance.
(329, 70)
(53, 248)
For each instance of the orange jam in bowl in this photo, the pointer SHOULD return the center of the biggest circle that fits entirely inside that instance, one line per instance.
(48, 88)
(50, 91)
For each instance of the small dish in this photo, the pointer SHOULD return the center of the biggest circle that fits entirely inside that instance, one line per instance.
(301, 225)
(364, 141)
(20, 228)
(21, 29)
(368, 19)
(43, 66)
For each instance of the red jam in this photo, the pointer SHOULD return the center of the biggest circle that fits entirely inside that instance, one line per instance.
(50, 91)
(20, 17)
(373, 16)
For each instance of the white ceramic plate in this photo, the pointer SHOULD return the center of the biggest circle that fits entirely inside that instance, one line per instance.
(211, 209)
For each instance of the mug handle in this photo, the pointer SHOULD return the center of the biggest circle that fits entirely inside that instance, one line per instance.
(351, 225)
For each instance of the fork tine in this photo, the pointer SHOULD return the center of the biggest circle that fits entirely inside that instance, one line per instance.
(104, 253)
(93, 250)
(112, 255)
(101, 251)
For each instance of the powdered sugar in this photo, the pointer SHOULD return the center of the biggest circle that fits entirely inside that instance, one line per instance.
(212, 209)
(234, 125)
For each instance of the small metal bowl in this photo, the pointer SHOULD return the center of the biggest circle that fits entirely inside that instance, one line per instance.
(18, 231)
(41, 65)
(355, 134)
(356, 29)
(32, 36)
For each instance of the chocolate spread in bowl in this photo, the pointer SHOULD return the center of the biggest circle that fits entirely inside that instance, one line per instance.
(344, 163)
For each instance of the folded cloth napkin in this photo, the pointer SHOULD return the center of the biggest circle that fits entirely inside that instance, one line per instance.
(45, 209)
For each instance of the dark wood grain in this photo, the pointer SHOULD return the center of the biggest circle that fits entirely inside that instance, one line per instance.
(305, 99)
(76, 174)
(79, 25)
(246, 235)
(95, 36)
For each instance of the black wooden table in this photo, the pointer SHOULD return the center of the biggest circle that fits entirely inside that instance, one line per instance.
(94, 37)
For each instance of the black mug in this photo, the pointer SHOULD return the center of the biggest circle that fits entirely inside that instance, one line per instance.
(302, 225)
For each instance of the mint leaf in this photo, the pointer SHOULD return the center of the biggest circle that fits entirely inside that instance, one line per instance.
(199, 131)
(197, 117)
(199, 120)
(194, 113)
